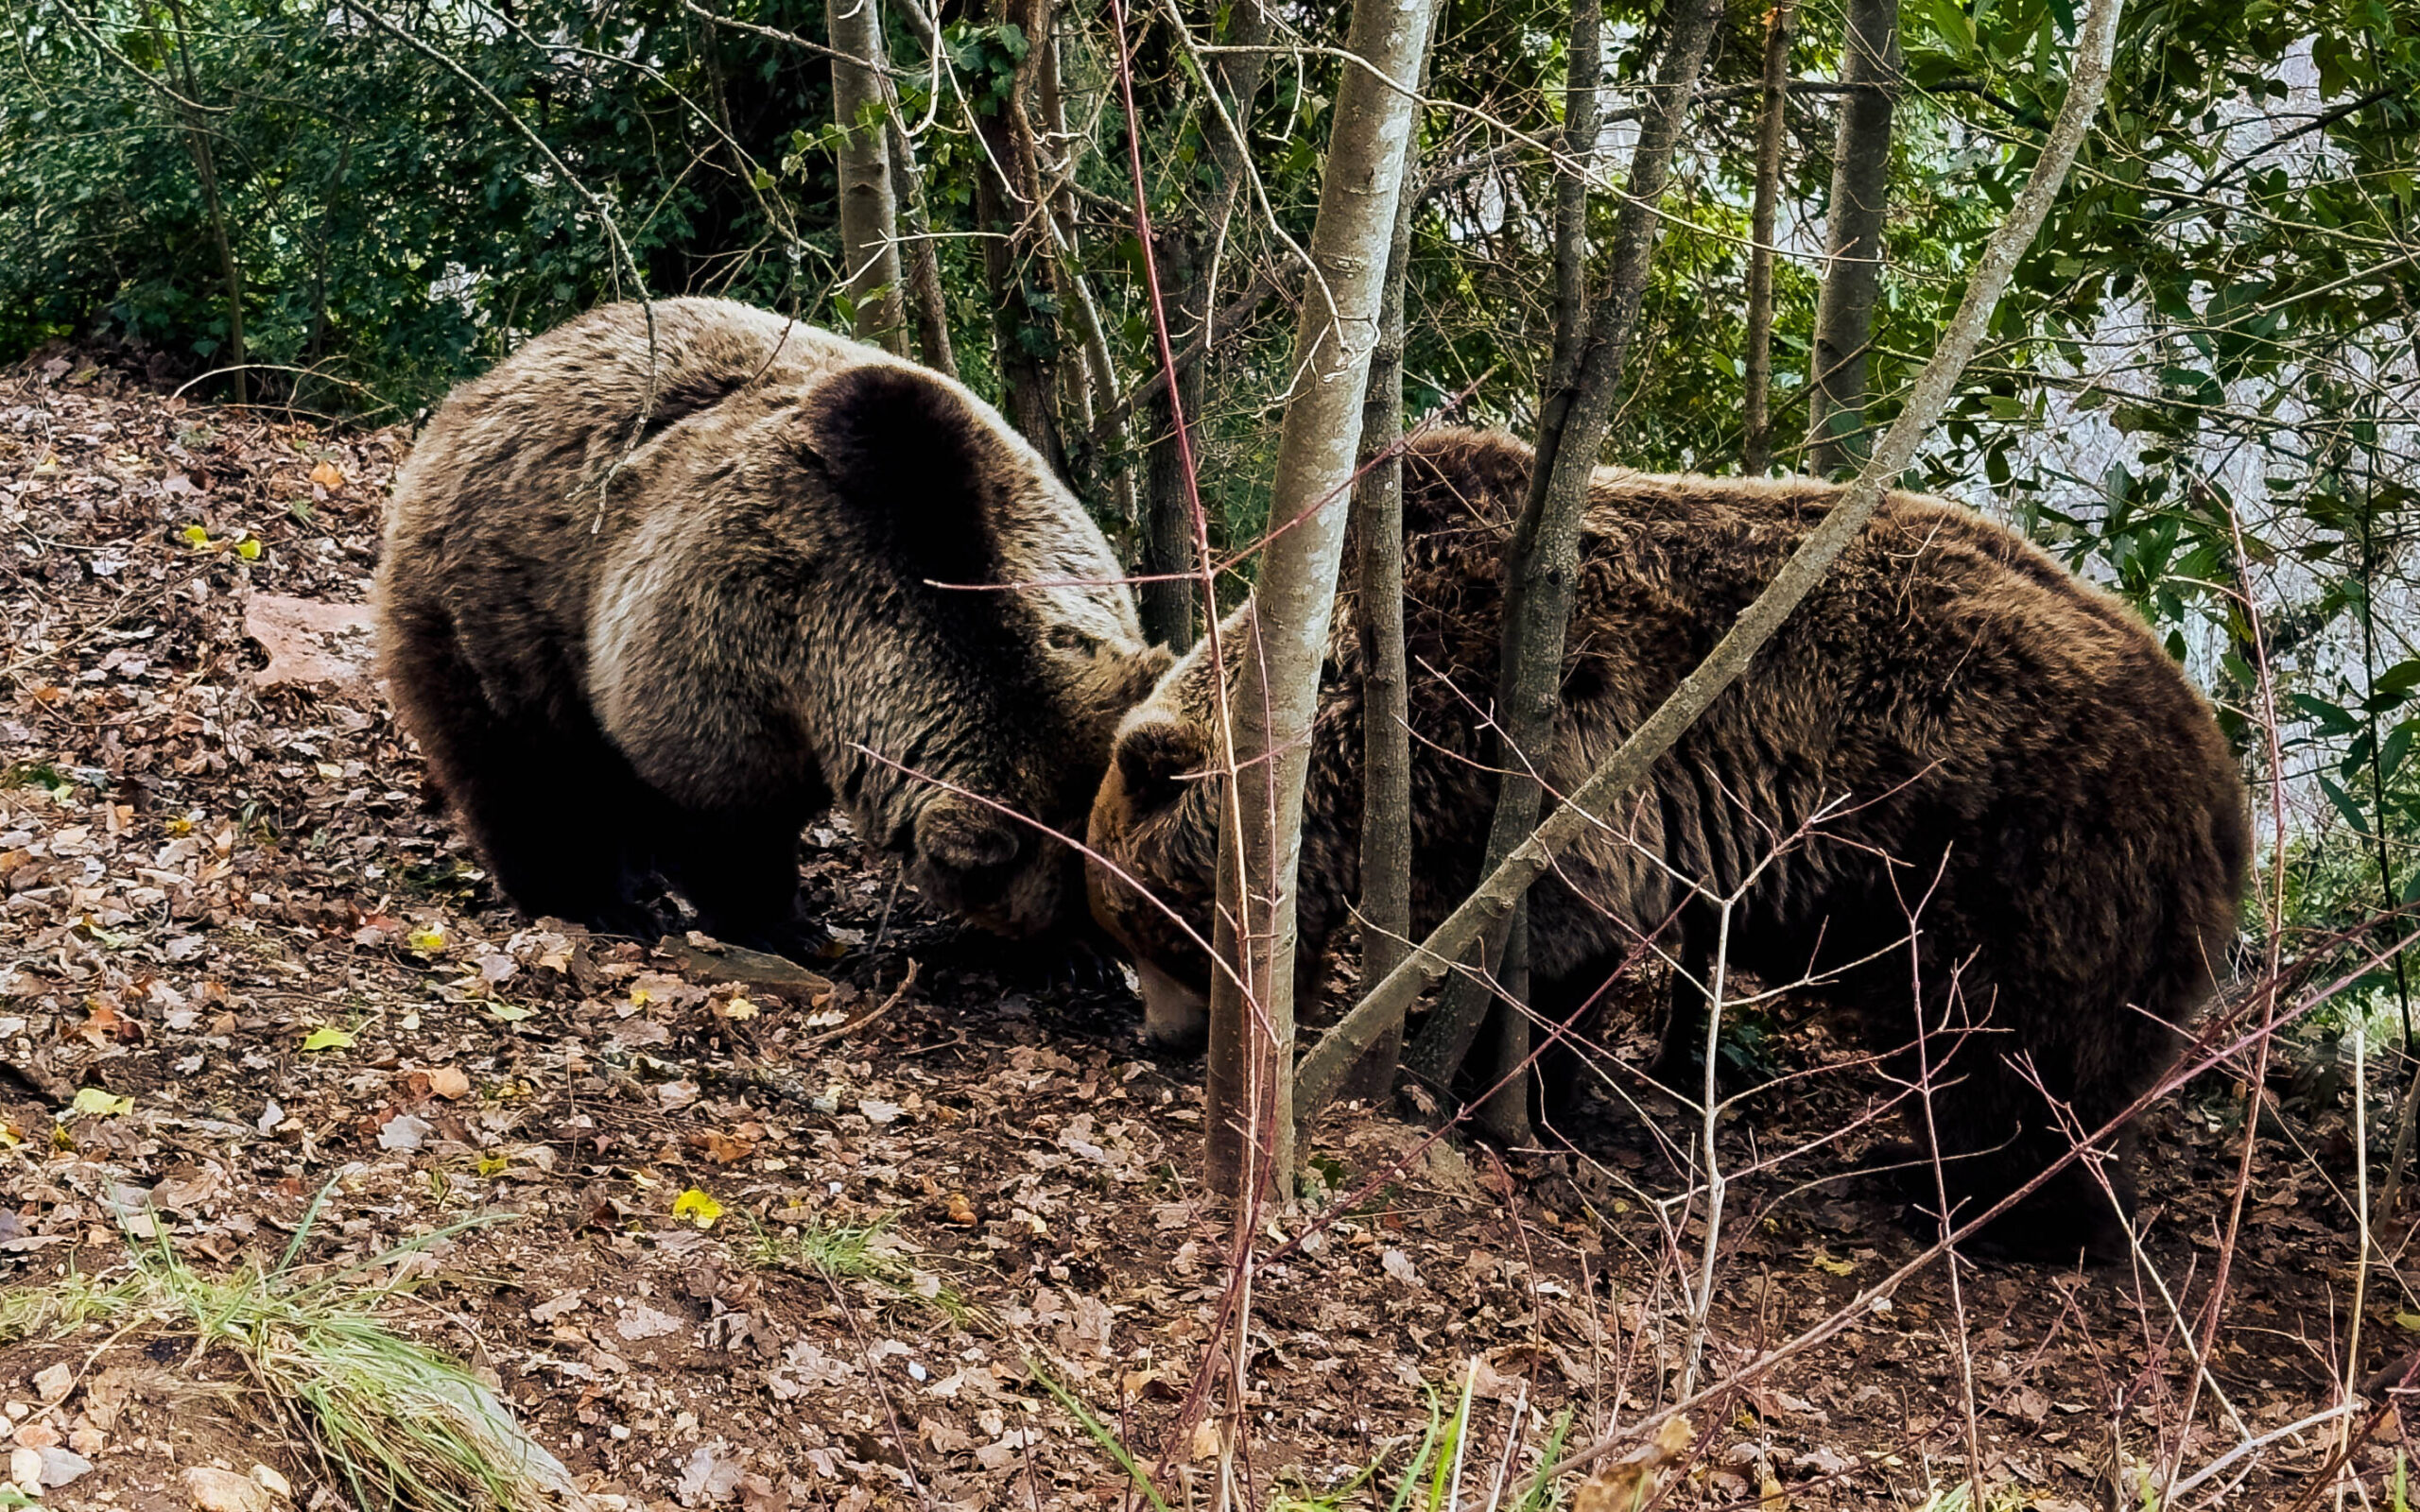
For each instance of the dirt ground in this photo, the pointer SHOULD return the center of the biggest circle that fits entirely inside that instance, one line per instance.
(241, 959)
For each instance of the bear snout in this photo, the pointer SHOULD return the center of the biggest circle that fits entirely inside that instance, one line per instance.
(1175, 1016)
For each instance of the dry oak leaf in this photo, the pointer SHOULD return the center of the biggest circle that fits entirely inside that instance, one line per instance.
(720, 1148)
(1633, 1481)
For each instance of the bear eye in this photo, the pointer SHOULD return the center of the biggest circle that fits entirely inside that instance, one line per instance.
(1068, 637)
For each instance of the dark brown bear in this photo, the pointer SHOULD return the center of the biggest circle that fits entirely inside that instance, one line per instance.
(1992, 747)
(660, 661)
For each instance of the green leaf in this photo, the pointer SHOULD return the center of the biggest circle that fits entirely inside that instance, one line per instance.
(2344, 805)
(327, 1036)
(508, 1012)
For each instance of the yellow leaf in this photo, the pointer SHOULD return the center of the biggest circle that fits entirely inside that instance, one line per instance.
(327, 1036)
(1836, 1267)
(505, 1012)
(493, 1164)
(428, 939)
(698, 1208)
(249, 548)
(95, 1100)
(639, 997)
(195, 536)
(48, 464)
(741, 1009)
(328, 475)
(2408, 1322)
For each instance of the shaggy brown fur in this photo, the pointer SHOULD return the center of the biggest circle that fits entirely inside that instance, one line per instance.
(1993, 748)
(666, 666)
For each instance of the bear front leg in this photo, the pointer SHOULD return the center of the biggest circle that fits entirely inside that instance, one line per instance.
(739, 871)
(1680, 1065)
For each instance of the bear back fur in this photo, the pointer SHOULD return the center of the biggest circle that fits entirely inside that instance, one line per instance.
(1952, 738)
(670, 578)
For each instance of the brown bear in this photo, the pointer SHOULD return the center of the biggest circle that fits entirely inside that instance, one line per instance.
(657, 591)
(1981, 743)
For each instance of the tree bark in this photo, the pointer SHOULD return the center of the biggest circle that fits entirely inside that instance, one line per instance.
(1542, 563)
(1188, 257)
(1017, 250)
(926, 303)
(1757, 440)
(1386, 715)
(1853, 240)
(1251, 1121)
(1585, 65)
(1383, 1005)
(869, 209)
(927, 309)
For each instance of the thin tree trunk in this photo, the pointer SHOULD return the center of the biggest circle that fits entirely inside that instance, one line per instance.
(868, 210)
(1053, 213)
(1581, 91)
(925, 301)
(1386, 714)
(1542, 561)
(1383, 1004)
(1170, 605)
(1756, 441)
(230, 271)
(1250, 1134)
(1018, 249)
(1853, 240)
(1169, 597)
(927, 306)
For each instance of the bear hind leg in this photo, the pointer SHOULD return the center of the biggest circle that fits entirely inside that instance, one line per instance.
(555, 817)
(1996, 1131)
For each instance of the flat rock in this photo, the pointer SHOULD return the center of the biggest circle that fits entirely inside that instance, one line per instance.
(709, 962)
(217, 1490)
(61, 1467)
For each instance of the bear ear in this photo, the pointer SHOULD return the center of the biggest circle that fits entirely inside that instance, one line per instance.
(913, 463)
(1136, 673)
(1152, 753)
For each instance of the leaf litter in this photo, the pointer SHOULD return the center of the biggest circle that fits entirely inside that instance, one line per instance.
(704, 1233)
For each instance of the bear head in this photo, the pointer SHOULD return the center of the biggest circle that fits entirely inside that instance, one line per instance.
(1017, 642)
(1152, 876)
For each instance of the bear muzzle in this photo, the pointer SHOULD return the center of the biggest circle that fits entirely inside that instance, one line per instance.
(1175, 1016)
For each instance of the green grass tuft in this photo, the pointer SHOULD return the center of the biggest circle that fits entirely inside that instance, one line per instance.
(392, 1423)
